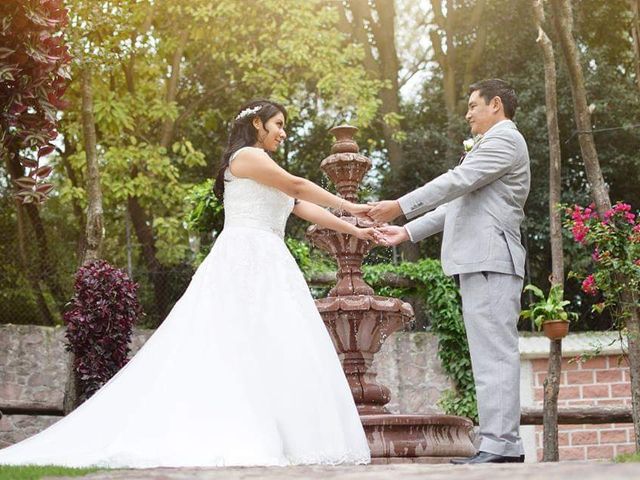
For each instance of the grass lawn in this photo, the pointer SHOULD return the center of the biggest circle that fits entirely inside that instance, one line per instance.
(628, 457)
(36, 472)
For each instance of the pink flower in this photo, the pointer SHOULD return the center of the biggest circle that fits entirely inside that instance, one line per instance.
(622, 207)
(637, 262)
(579, 232)
(630, 217)
(607, 215)
(589, 285)
(596, 255)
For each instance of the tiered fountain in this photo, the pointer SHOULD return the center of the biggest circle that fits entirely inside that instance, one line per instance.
(359, 322)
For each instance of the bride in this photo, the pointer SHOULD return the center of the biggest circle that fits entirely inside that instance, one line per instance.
(242, 371)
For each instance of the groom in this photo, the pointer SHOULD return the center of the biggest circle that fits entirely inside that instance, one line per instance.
(479, 206)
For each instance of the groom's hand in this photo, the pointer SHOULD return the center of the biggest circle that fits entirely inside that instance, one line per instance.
(391, 235)
(385, 211)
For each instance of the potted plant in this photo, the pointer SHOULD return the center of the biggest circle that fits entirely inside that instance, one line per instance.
(548, 313)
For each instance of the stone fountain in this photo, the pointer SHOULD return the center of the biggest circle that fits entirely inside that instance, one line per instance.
(359, 322)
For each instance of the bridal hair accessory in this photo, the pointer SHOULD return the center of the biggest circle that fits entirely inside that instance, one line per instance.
(248, 111)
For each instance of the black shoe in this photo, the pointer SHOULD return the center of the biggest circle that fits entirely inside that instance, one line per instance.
(486, 457)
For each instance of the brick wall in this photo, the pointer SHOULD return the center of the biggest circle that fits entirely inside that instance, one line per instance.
(597, 381)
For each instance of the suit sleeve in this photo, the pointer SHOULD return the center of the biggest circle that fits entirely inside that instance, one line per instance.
(492, 159)
(427, 225)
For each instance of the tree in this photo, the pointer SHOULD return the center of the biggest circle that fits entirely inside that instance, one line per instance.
(552, 381)
(33, 78)
(563, 23)
(635, 33)
(373, 27)
(167, 79)
(94, 233)
(458, 50)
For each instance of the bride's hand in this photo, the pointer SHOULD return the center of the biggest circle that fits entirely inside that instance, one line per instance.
(358, 210)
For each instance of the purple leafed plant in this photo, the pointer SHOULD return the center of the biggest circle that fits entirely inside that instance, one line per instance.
(34, 73)
(99, 324)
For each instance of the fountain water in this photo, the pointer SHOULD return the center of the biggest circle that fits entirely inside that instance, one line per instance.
(359, 322)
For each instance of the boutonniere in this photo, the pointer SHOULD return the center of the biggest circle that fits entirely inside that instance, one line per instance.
(468, 145)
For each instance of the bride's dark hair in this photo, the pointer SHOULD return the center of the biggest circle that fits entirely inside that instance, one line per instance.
(244, 134)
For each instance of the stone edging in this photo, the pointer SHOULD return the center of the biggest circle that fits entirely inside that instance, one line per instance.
(537, 346)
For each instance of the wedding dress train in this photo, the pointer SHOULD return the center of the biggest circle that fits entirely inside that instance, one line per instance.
(241, 372)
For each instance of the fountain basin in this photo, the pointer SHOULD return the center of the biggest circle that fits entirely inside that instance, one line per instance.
(417, 438)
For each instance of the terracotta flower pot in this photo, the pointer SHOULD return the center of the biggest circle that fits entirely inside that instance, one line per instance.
(555, 329)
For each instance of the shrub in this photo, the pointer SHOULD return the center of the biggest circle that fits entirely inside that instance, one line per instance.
(99, 324)
(615, 245)
(34, 73)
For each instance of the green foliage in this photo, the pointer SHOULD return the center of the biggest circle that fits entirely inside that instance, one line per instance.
(442, 299)
(32, 472)
(205, 210)
(548, 308)
(309, 260)
(627, 457)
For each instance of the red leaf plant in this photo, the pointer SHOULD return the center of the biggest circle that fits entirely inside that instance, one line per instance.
(34, 73)
(99, 324)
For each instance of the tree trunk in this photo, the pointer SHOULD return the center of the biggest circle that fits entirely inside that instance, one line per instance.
(32, 277)
(94, 233)
(16, 170)
(46, 268)
(79, 214)
(386, 66)
(474, 59)
(552, 381)
(563, 23)
(631, 305)
(635, 33)
(172, 89)
(453, 67)
(140, 219)
(157, 273)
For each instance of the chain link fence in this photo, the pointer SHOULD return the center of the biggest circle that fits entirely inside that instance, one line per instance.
(38, 262)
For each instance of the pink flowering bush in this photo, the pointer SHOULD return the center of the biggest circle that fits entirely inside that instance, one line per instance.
(615, 250)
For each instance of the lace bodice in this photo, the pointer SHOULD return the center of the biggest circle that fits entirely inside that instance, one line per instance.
(248, 203)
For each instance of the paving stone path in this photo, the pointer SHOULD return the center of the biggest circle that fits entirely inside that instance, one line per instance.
(529, 471)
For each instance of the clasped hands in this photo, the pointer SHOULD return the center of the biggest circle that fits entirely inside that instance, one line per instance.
(383, 212)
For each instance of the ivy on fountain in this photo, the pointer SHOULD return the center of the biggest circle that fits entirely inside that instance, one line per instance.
(442, 298)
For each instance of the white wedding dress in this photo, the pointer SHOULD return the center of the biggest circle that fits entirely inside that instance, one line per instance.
(241, 372)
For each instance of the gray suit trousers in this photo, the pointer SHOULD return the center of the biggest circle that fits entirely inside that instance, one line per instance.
(491, 308)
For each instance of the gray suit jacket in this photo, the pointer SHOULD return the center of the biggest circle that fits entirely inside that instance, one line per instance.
(479, 205)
